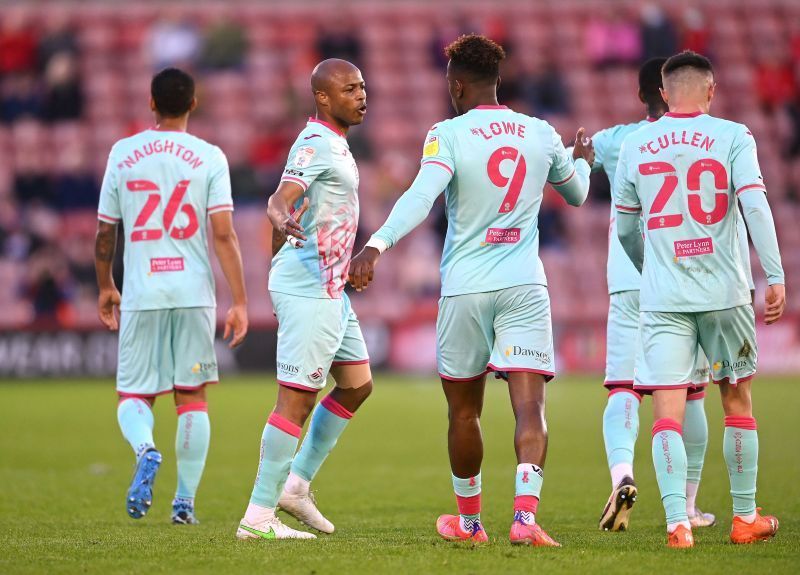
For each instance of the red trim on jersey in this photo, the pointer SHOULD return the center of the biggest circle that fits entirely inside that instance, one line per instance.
(728, 380)
(684, 115)
(694, 395)
(107, 219)
(220, 207)
(751, 187)
(124, 395)
(331, 127)
(441, 164)
(627, 209)
(298, 181)
(490, 107)
(197, 406)
(562, 182)
(548, 375)
(448, 378)
(687, 385)
(651, 119)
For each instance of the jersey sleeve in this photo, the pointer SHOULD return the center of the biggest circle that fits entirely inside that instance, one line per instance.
(745, 171)
(600, 142)
(220, 198)
(109, 209)
(308, 160)
(626, 198)
(562, 168)
(438, 150)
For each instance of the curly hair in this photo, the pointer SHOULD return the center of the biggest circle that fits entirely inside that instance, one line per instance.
(476, 55)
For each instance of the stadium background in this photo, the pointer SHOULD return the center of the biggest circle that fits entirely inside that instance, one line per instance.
(74, 78)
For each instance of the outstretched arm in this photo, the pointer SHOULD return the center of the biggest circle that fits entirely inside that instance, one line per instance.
(758, 215)
(410, 211)
(570, 176)
(226, 246)
(105, 246)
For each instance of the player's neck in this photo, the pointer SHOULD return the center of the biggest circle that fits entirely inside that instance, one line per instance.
(689, 107)
(332, 123)
(172, 124)
(489, 99)
(655, 113)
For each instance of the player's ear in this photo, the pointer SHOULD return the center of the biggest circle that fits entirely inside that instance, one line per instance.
(193, 105)
(641, 97)
(153, 106)
(711, 88)
(321, 98)
(664, 95)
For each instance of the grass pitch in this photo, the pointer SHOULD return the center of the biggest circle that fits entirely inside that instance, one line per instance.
(65, 469)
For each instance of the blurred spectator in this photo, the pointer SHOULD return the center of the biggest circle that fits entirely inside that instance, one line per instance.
(542, 87)
(552, 231)
(774, 79)
(173, 42)
(58, 37)
(695, 35)
(17, 43)
(612, 39)
(74, 184)
(338, 40)
(63, 99)
(659, 37)
(224, 47)
(19, 97)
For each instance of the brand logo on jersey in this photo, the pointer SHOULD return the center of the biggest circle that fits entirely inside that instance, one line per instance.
(745, 350)
(691, 248)
(431, 147)
(304, 156)
(502, 236)
(736, 366)
(288, 368)
(201, 367)
(540, 356)
(316, 376)
(292, 172)
(158, 265)
(312, 136)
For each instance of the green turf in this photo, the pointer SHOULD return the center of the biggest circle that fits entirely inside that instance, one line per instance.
(65, 468)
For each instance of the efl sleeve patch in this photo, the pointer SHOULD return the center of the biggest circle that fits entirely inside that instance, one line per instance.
(431, 147)
(304, 157)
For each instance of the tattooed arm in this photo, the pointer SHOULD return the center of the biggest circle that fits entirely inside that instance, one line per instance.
(105, 245)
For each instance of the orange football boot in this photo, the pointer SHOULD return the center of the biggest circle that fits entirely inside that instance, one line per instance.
(681, 538)
(449, 527)
(764, 527)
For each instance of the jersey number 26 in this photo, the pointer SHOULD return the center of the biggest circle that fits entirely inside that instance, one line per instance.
(142, 233)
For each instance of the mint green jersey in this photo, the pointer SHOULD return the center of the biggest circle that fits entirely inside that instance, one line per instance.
(684, 174)
(621, 274)
(498, 161)
(320, 162)
(162, 186)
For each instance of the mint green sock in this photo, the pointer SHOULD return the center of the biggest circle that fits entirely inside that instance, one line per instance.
(136, 422)
(695, 438)
(620, 427)
(740, 446)
(327, 424)
(278, 444)
(191, 447)
(468, 497)
(669, 460)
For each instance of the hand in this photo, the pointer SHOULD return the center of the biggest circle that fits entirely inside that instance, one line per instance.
(584, 148)
(290, 226)
(362, 268)
(236, 325)
(108, 307)
(775, 299)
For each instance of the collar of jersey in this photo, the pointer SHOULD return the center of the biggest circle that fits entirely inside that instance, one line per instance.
(680, 115)
(331, 127)
(488, 107)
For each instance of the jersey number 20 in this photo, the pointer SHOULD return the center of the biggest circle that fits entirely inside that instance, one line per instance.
(659, 221)
(141, 233)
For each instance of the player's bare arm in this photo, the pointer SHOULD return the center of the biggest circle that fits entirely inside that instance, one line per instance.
(105, 246)
(226, 246)
(284, 221)
(630, 237)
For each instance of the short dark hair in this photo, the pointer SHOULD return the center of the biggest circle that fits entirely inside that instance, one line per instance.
(172, 90)
(476, 55)
(687, 58)
(650, 79)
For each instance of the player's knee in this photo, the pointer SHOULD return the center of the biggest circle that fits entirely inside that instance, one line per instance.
(186, 396)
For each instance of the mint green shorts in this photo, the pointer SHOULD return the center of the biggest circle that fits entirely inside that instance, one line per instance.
(502, 331)
(622, 343)
(315, 334)
(166, 349)
(669, 347)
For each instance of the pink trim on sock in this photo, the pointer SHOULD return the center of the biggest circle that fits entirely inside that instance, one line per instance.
(667, 424)
(142, 399)
(335, 407)
(280, 422)
(469, 505)
(696, 395)
(624, 390)
(526, 503)
(197, 406)
(741, 422)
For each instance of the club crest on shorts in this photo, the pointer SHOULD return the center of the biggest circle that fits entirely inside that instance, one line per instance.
(746, 349)
(316, 376)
